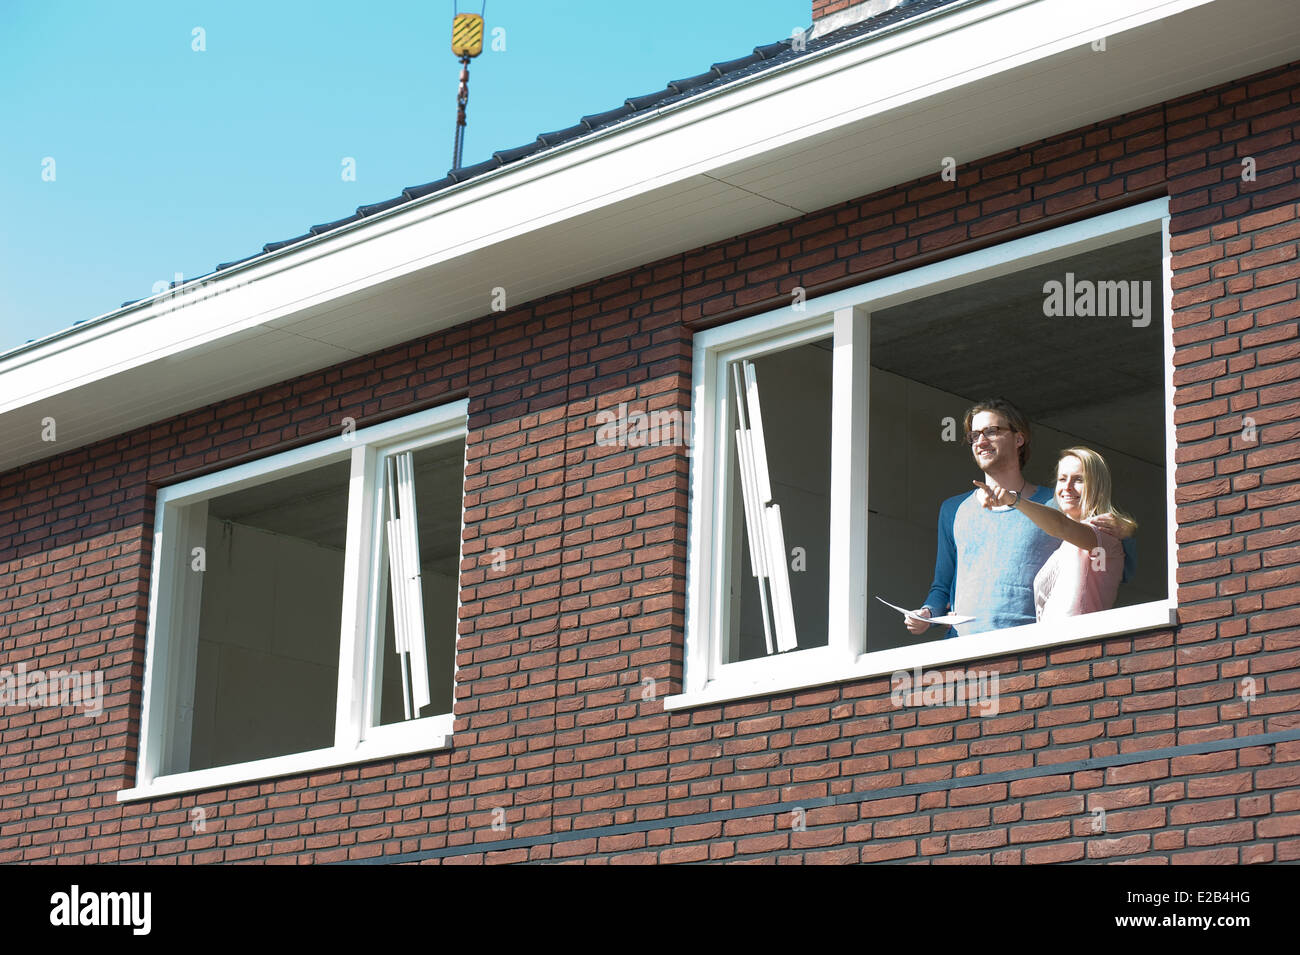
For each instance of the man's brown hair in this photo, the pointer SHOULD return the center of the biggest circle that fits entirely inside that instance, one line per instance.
(1014, 417)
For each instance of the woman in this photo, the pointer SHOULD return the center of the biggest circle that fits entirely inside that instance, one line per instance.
(1083, 574)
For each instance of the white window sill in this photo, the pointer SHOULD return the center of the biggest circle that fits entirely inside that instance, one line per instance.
(428, 734)
(790, 675)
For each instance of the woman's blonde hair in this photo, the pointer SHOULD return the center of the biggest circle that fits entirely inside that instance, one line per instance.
(1096, 486)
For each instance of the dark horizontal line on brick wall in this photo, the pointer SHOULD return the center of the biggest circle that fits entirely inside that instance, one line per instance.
(912, 789)
(911, 262)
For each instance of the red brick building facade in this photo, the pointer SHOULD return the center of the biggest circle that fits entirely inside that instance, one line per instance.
(558, 641)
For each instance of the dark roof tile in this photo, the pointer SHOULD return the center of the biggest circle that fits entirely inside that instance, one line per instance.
(277, 246)
(693, 82)
(563, 135)
(331, 226)
(231, 264)
(519, 152)
(375, 207)
(609, 116)
(730, 66)
(772, 49)
(417, 192)
(650, 99)
(469, 172)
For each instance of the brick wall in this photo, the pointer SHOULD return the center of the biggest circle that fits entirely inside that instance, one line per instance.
(824, 8)
(551, 725)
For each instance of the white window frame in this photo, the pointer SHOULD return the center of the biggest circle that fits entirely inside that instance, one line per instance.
(846, 316)
(356, 739)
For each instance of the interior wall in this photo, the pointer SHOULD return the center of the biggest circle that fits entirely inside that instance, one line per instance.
(438, 471)
(268, 651)
(795, 397)
(912, 470)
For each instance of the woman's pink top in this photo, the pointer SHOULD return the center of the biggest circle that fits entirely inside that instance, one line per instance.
(1075, 581)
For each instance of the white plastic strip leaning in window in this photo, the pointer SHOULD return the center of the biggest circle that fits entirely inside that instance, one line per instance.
(762, 516)
(404, 576)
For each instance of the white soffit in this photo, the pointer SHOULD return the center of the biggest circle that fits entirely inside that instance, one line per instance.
(976, 80)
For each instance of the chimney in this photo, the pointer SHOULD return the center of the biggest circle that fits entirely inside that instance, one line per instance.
(829, 15)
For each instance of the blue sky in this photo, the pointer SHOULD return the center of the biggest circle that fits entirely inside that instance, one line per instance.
(169, 160)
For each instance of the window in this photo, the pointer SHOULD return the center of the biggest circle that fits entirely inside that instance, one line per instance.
(779, 475)
(304, 608)
(828, 434)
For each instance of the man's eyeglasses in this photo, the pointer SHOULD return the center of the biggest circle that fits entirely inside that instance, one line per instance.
(990, 433)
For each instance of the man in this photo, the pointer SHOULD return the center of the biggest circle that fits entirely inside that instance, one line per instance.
(987, 558)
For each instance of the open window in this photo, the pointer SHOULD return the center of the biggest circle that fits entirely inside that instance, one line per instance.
(779, 477)
(304, 607)
(828, 434)
(1091, 380)
(256, 621)
(416, 601)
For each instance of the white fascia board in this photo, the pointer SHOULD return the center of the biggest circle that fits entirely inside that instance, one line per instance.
(841, 86)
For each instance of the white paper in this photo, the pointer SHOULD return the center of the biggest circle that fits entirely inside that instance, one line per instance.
(950, 620)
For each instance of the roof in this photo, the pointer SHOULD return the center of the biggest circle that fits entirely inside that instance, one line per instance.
(725, 73)
(972, 78)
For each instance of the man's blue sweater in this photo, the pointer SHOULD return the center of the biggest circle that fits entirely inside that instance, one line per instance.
(986, 562)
